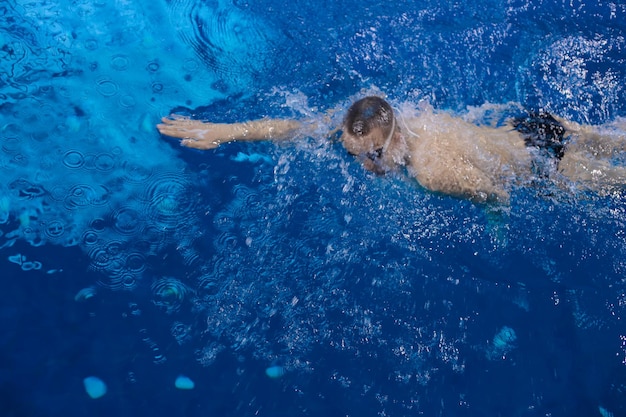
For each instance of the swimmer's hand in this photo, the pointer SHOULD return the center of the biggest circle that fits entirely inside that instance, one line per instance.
(204, 135)
(195, 133)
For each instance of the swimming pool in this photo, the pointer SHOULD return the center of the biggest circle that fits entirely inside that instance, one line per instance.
(284, 279)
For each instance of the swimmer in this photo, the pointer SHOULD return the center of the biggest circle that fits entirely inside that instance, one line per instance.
(445, 154)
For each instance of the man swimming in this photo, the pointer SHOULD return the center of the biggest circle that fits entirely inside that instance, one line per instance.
(443, 153)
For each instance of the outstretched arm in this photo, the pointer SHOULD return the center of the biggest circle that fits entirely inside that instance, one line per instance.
(204, 135)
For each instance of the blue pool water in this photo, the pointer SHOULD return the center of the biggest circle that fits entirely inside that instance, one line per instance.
(284, 280)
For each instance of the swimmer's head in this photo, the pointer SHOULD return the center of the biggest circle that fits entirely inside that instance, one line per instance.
(368, 129)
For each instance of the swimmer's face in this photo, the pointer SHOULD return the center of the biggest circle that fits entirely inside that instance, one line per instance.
(364, 147)
(369, 151)
(368, 126)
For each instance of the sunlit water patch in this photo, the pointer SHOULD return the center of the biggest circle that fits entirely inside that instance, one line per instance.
(80, 161)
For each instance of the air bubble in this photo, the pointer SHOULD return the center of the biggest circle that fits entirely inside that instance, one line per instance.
(73, 159)
(191, 65)
(31, 265)
(127, 101)
(83, 195)
(85, 294)
(120, 62)
(11, 145)
(55, 229)
(91, 44)
(135, 262)
(106, 87)
(107, 258)
(136, 173)
(153, 66)
(181, 332)
(95, 387)
(17, 259)
(169, 294)
(184, 383)
(126, 220)
(98, 224)
(104, 162)
(128, 281)
(90, 238)
(169, 199)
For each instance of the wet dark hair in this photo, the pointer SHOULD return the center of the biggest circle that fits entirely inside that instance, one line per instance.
(367, 114)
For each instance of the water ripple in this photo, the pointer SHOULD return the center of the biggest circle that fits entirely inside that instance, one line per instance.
(169, 294)
(169, 199)
(237, 45)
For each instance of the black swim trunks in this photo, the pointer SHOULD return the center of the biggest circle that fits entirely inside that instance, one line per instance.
(542, 131)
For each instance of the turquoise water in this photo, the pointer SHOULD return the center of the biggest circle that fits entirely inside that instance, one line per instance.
(283, 279)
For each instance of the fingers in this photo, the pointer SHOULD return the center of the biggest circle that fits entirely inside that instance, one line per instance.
(172, 131)
(186, 139)
(176, 126)
(174, 121)
(190, 131)
(198, 144)
(174, 116)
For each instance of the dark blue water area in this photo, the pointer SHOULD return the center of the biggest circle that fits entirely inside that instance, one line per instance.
(51, 342)
(126, 257)
(457, 54)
